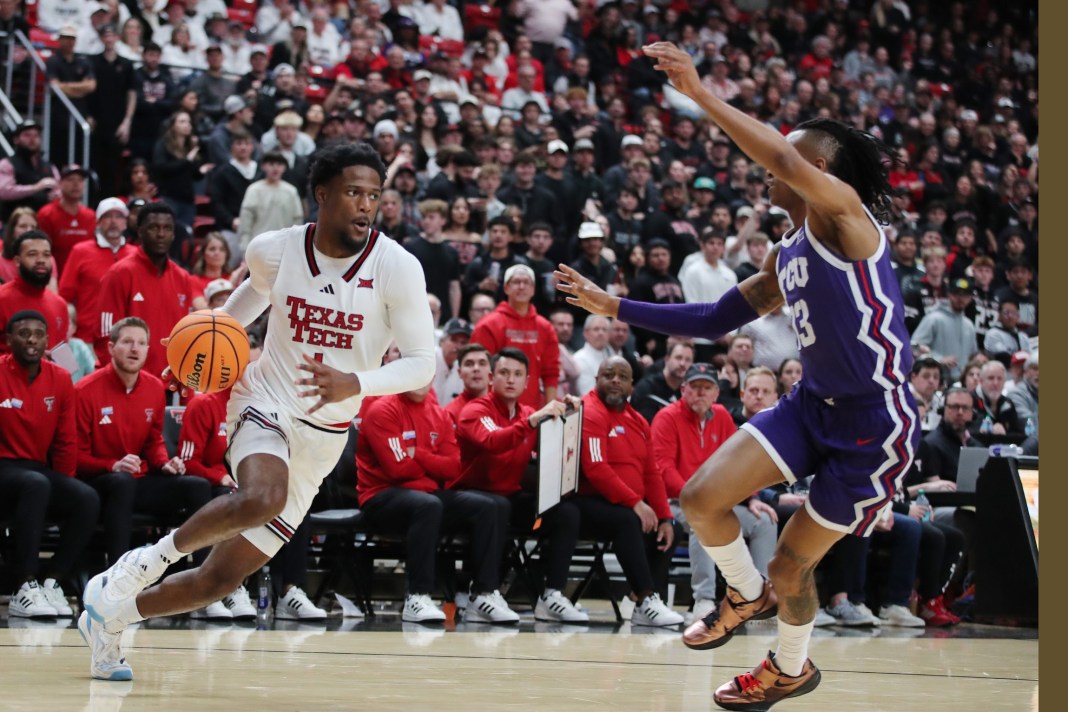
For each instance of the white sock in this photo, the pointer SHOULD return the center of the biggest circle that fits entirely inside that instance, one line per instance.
(166, 550)
(127, 615)
(737, 566)
(793, 647)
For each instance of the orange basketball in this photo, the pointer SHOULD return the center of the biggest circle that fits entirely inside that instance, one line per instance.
(208, 351)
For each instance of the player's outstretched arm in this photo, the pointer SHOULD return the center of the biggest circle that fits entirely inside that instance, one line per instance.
(764, 144)
(756, 296)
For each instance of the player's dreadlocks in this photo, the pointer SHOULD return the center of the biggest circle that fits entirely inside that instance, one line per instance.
(859, 159)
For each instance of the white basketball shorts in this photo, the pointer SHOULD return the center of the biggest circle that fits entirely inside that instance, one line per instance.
(310, 450)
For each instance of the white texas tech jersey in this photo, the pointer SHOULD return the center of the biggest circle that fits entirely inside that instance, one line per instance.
(343, 312)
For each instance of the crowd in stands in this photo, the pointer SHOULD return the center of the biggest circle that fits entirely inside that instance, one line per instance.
(516, 135)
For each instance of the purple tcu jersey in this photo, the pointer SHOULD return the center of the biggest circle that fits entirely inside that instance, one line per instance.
(848, 316)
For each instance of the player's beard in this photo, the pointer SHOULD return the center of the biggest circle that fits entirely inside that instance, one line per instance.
(352, 243)
(35, 279)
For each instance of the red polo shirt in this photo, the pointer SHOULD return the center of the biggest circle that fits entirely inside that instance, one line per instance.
(495, 445)
(37, 419)
(134, 286)
(617, 457)
(681, 443)
(65, 230)
(114, 423)
(202, 444)
(19, 294)
(388, 428)
(80, 283)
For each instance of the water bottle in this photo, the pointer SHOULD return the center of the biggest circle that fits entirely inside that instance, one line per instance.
(1030, 429)
(263, 604)
(922, 501)
(1005, 450)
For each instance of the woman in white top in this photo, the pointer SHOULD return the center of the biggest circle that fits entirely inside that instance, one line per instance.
(131, 40)
(181, 55)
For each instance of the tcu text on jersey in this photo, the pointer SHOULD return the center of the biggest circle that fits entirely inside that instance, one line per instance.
(307, 321)
(795, 275)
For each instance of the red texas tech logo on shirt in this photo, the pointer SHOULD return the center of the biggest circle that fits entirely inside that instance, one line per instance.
(308, 322)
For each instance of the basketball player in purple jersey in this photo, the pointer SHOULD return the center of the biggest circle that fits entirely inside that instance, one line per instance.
(851, 421)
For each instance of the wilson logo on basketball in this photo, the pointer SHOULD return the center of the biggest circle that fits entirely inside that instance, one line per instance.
(307, 321)
(193, 380)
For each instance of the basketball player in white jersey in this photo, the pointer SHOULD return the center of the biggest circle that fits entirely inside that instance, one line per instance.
(339, 292)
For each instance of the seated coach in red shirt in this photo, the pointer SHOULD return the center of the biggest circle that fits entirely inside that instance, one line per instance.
(38, 454)
(405, 456)
(29, 289)
(120, 443)
(621, 493)
(497, 437)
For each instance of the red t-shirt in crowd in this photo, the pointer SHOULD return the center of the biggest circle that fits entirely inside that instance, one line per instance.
(134, 286)
(617, 457)
(202, 443)
(390, 426)
(495, 445)
(65, 230)
(681, 443)
(80, 283)
(19, 294)
(37, 419)
(114, 423)
(534, 336)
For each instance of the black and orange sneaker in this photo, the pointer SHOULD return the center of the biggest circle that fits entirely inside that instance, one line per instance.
(757, 691)
(719, 625)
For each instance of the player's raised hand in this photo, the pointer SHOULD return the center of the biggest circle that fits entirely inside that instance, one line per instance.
(327, 384)
(584, 293)
(676, 64)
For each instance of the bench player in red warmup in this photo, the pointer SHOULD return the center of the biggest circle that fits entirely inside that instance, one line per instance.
(851, 421)
(339, 292)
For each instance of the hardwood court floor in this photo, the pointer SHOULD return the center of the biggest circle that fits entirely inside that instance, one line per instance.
(385, 665)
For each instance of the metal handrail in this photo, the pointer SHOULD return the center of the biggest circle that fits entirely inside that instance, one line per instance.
(75, 120)
(12, 118)
(11, 115)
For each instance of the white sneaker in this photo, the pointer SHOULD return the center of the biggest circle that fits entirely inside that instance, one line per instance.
(134, 572)
(846, 613)
(107, 661)
(823, 619)
(702, 607)
(53, 593)
(553, 605)
(900, 616)
(213, 612)
(418, 608)
(653, 612)
(863, 608)
(295, 606)
(239, 604)
(30, 602)
(489, 608)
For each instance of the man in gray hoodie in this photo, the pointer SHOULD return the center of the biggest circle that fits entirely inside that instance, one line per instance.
(946, 333)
